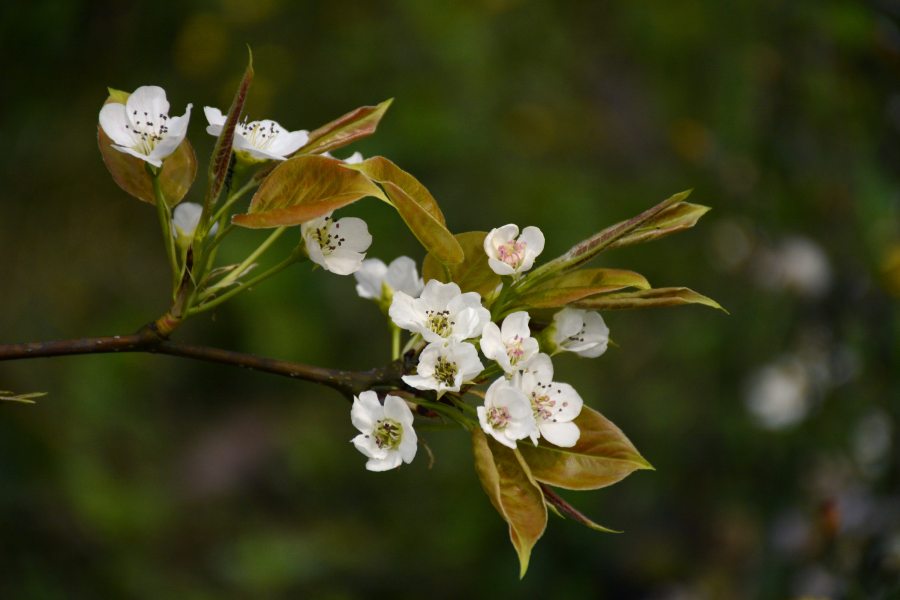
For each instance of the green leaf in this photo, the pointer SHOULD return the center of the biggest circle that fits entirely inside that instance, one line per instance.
(305, 188)
(221, 156)
(561, 507)
(591, 247)
(416, 206)
(24, 398)
(130, 172)
(354, 125)
(675, 218)
(601, 457)
(576, 285)
(513, 492)
(646, 299)
(473, 274)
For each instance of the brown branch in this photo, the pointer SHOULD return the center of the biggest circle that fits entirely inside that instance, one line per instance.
(148, 340)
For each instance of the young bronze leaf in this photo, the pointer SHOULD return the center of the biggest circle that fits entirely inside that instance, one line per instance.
(302, 189)
(381, 169)
(576, 285)
(354, 125)
(561, 507)
(473, 274)
(221, 157)
(591, 247)
(130, 172)
(601, 457)
(646, 299)
(673, 219)
(430, 233)
(513, 492)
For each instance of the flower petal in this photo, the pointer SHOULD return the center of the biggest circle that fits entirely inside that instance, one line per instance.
(354, 233)
(115, 123)
(564, 435)
(370, 277)
(392, 461)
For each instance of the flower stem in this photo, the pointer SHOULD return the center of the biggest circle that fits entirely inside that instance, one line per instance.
(463, 405)
(395, 341)
(445, 411)
(232, 198)
(165, 223)
(247, 262)
(244, 286)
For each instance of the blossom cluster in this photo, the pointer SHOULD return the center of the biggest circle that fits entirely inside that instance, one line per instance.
(523, 402)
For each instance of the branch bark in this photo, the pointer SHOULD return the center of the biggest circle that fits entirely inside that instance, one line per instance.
(349, 383)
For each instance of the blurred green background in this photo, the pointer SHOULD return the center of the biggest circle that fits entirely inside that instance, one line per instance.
(773, 430)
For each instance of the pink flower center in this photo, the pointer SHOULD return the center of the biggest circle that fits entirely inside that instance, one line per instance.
(512, 253)
(499, 417)
(542, 405)
(514, 350)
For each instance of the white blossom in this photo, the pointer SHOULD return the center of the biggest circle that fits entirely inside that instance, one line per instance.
(142, 127)
(506, 414)
(377, 281)
(510, 253)
(185, 219)
(578, 331)
(510, 345)
(441, 313)
(554, 404)
(445, 367)
(387, 436)
(337, 246)
(258, 141)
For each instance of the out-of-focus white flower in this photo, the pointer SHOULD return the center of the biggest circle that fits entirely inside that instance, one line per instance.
(872, 439)
(506, 414)
(512, 255)
(337, 246)
(510, 345)
(377, 281)
(798, 264)
(778, 395)
(554, 404)
(444, 367)
(141, 127)
(441, 313)
(579, 331)
(257, 141)
(185, 220)
(387, 436)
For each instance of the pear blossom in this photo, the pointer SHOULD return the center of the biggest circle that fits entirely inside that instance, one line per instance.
(377, 281)
(258, 141)
(444, 367)
(554, 404)
(142, 127)
(185, 219)
(337, 246)
(510, 345)
(506, 414)
(578, 331)
(441, 313)
(387, 437)
(510, 253)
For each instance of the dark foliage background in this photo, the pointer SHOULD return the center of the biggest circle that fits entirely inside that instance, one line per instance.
(773, 430)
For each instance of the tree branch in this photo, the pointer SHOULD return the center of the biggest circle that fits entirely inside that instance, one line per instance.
(148, 340)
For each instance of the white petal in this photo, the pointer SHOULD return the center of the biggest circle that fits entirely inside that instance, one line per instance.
(370, 277)
(564, 435)
(568, 322)
(187, 216)
(288, 142)
(403, 313)
(498, 237)
(541, 368)
(343, 262)
(408, 447)
(177, 133)
(386, 464)
(534, 241)
(437, 295)
(491, 344)
(499, 267)
(568, 402)
(402, 276)
(516, 324)
(149, 102)
(214, 117)
(501, 437)
(114, 122)
(153, 160)
(421, 382)
(365, 443)
(395, 408)
(355, 234)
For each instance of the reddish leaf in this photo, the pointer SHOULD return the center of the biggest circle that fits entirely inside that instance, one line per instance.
(221, 157)
(561, 507)
(355, 125)
(513, 492)
(576, 285)
(675, 218)
(601, 457)
(645, 299)
(304, 188)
